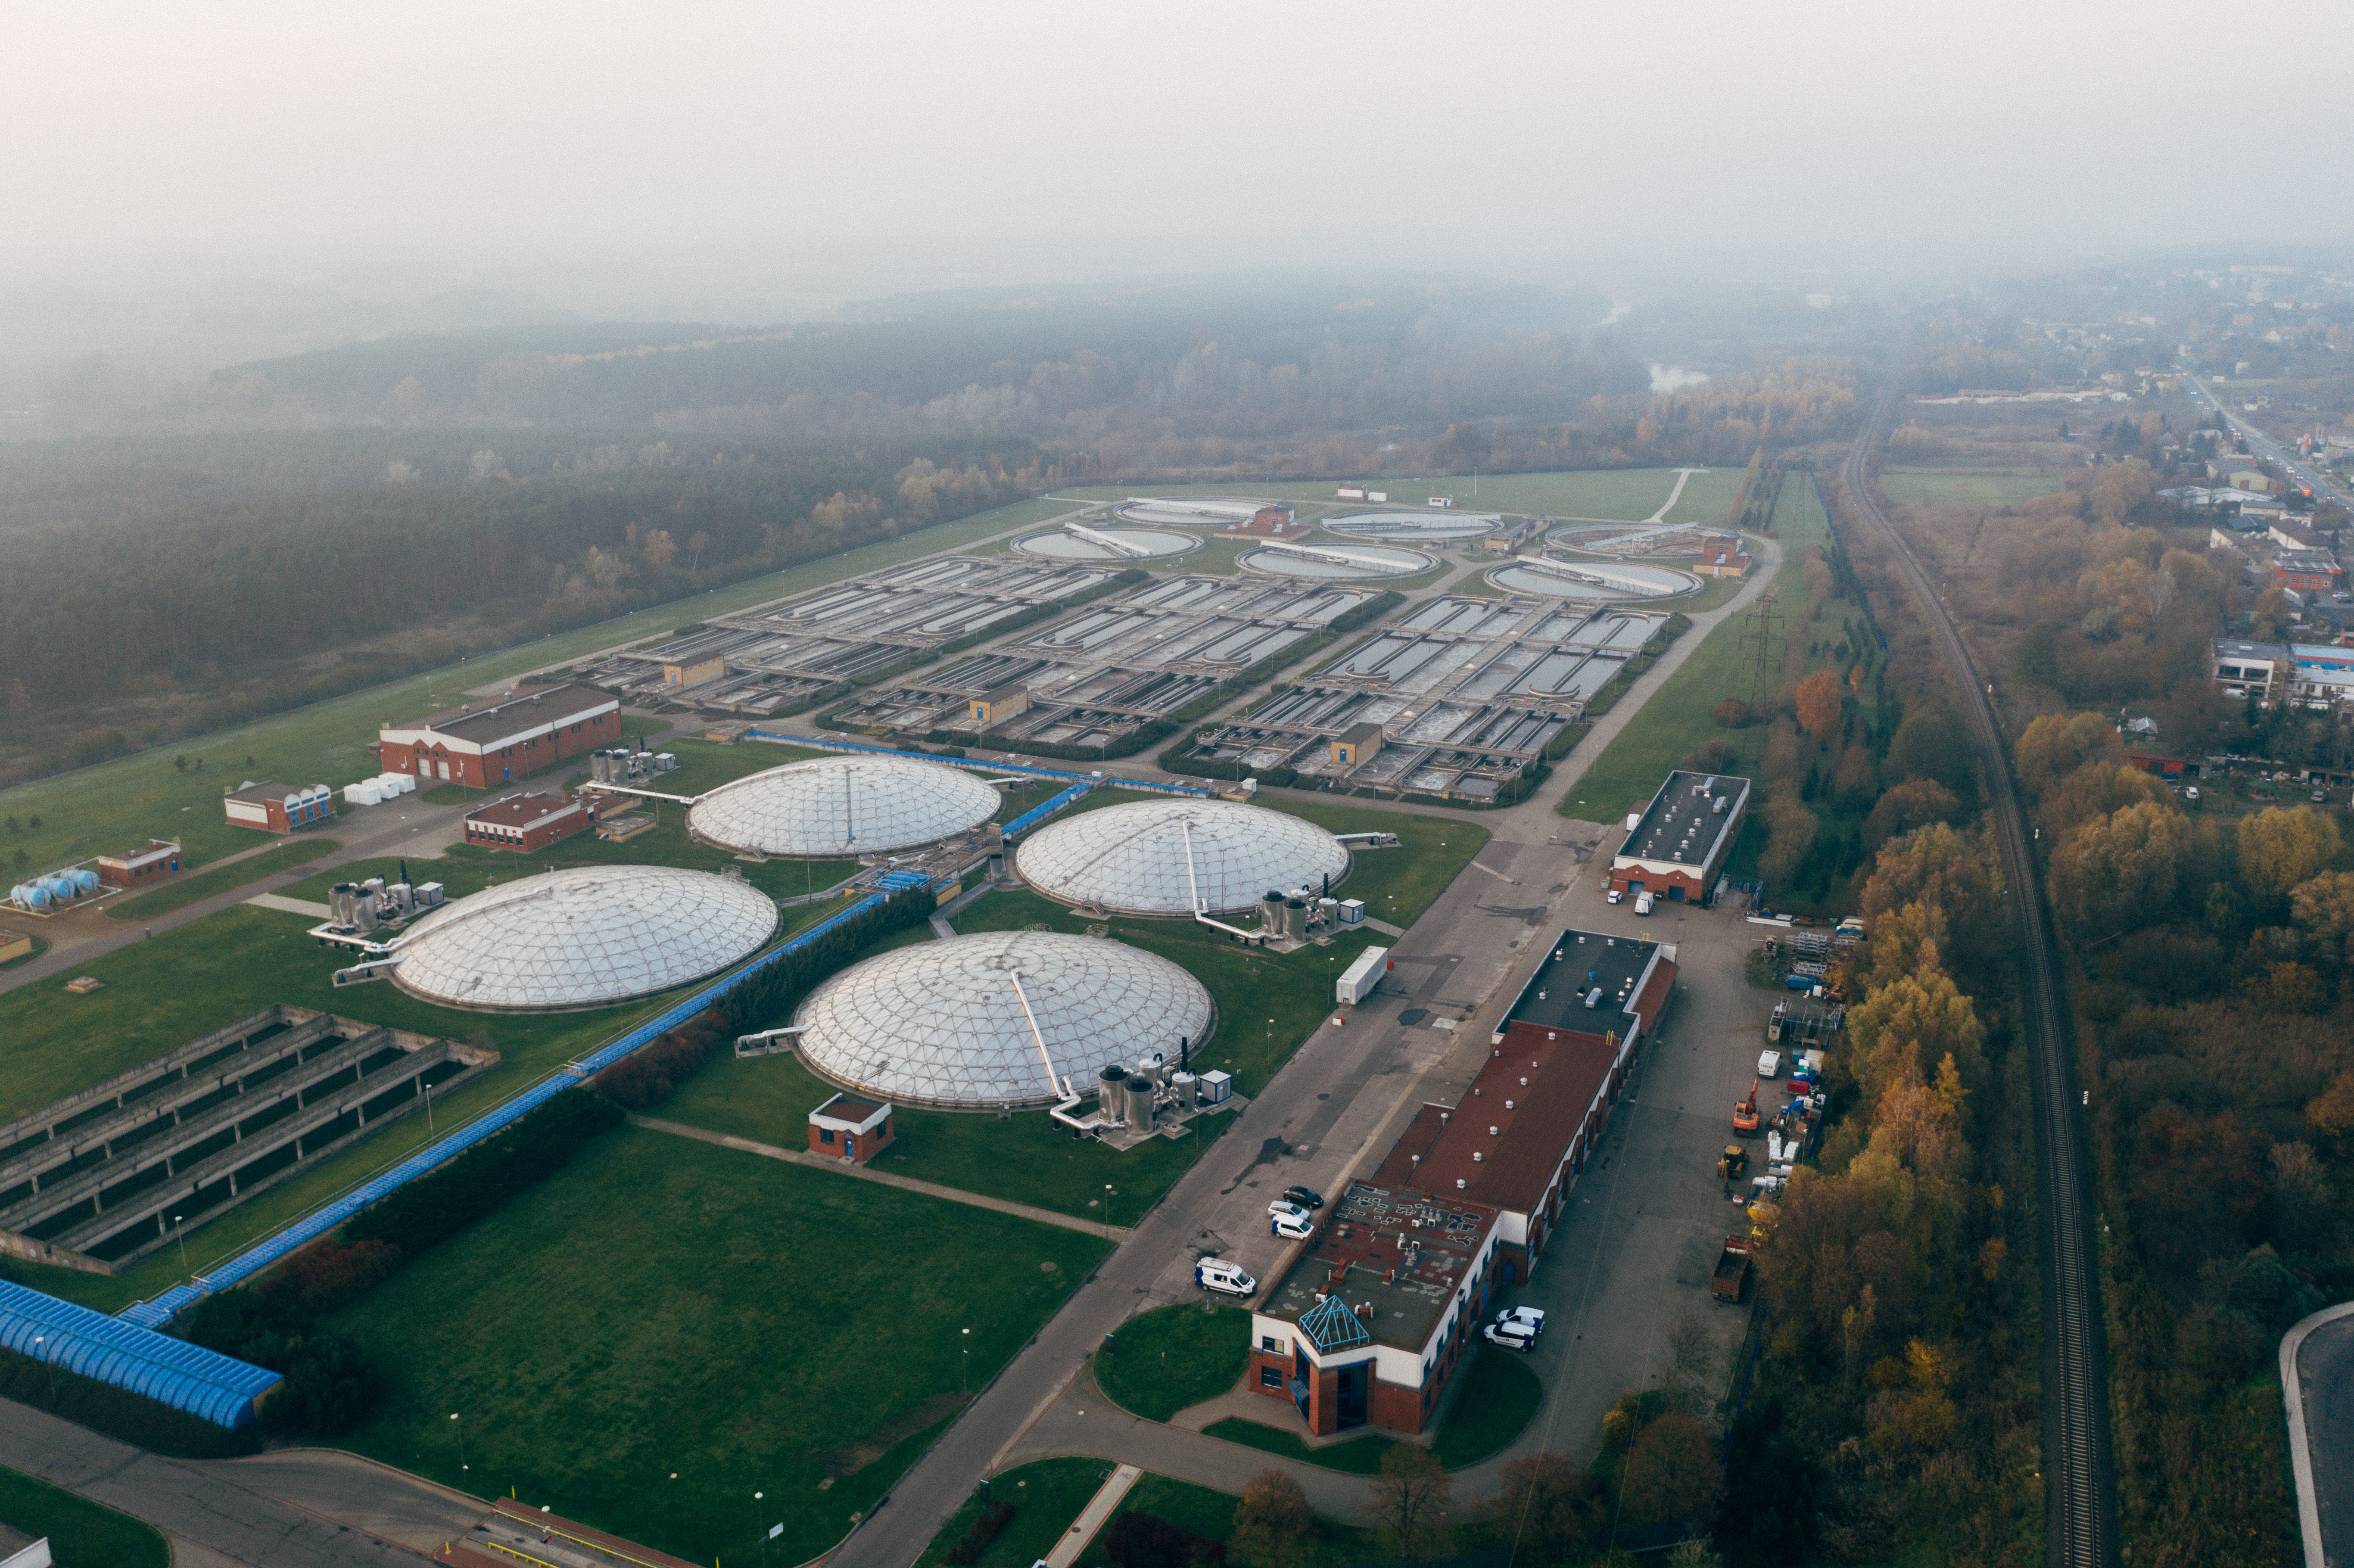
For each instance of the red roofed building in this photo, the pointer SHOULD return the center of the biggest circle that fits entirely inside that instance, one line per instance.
(484, 747)
(528, 823)
(1374, 1315)
(1721, 557)
(844, 1129)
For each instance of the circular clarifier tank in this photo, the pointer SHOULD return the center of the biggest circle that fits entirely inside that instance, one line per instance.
(1413, 527)
(1172, 857)
(1335, 562)
(1593, 581)
(588, 937)
(831, 806)
(975, 1022)
(1119, 545)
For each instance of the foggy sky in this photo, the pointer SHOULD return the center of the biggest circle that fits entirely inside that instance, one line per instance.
(1500, 138)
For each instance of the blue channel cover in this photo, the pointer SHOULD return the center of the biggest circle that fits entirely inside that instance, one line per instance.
(186, 1377)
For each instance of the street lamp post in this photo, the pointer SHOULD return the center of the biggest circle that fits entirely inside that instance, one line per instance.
(967, 1375)
(1108, 1197)
(461, 1443)
(180, 1230)
(38, 1341)
(761, 1513)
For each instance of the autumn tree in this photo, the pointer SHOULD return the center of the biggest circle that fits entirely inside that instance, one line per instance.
(1955, 873)
(1672, 1472)
(2280, 848)
(2115, 873)
(2323, 909)
(1410, 1496)
(1548, 1507)
(1790, 839)
(1852, 784)
(1818, 704)
(1730, 713)
(1273, 1522)
(1899, 1033)
(659, 549)
(1915, 804)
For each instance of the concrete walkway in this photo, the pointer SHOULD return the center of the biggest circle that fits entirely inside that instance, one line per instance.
(867, 1173)
(1093, 1516)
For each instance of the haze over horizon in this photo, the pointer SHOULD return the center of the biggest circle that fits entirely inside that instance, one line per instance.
(753, 162)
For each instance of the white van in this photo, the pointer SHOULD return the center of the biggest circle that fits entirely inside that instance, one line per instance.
(1643, 903)
(1218, 1274)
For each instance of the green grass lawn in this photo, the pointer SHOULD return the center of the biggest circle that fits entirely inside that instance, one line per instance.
(1966, 487)
(195, 886)
(1172, 1358)
(187, 982)
(1027, 1160)
(661, 1307)
(1046, 1498)
(1626, 494)
(103, 809)
(81, 1533)
(1500, 1397)
(1677, 718)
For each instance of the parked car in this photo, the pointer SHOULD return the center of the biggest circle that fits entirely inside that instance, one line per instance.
(1293, 1225)
(1218, 1274)
(2321, 796)
(1614, 896)
(1511, 1336)
(1305, 1197)
(1769, 1063)
(1284, 1205)
(2191, 794)
(1643, 902)
(1529, 1318)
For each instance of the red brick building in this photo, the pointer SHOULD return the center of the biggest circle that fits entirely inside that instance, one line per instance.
(280, 807)
(844, 1129)
(1721, 557)
(160, 858)
(1678, 848)
(525, 823)
(1374, 1317)
(486, 746)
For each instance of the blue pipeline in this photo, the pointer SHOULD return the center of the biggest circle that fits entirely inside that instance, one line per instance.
(164, 1307)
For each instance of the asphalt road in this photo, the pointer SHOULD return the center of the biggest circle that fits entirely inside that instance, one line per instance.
(2318, 1363)
(2081, 1487)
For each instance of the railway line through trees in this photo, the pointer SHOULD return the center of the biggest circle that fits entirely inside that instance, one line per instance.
(2080, 1484)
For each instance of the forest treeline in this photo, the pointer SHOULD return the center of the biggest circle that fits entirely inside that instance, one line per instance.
(189, 601)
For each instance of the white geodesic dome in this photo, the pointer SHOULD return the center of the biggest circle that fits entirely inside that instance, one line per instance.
(844, 805)
(1133, 858)
(587, 936)
(943, 1023)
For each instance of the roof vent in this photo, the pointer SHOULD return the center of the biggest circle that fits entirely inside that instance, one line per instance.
(1493, 1132)
(1476, 1158)
(1458, 1181)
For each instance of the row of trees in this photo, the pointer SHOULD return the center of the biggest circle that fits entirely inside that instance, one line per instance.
(2214, 991)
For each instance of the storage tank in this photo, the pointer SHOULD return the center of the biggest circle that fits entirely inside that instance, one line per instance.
(1111, 1099)
(29, 895)
(1270, 911)
(403, 897)
(85, 880)
(342, 901)
(1187, 1088)
(1149, 1068)
(1295, 918)
(1140, 1101)
(60, 889)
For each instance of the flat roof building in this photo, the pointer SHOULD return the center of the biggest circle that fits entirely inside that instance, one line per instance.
(1677, 847)
(276, 807)
(845, 1129)
(483, 747)
(138, 867)
(1374, 1317)
(527, 824)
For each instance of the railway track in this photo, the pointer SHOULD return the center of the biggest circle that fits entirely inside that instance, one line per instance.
(2080, 1489)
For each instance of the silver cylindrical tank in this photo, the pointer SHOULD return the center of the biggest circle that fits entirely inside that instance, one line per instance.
(1187, 1088)
(1270, 911)
(1111, 1098)
(1295, 918)
(1139, 1102)
(342, 903)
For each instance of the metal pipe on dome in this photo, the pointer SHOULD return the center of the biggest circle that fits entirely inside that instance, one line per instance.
(1193, 885)
(1061, 1086)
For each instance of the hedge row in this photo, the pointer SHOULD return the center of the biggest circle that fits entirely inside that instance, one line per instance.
(332, 1383)
(518, 1156)
(776, 990)
(646, 1077)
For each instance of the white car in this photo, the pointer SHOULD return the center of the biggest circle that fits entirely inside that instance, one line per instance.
(1282, 1207)
(1769, 1063)
(1218, 1274)
(1511, 1336)
(1293, 1227)
(1615, 894)
(1527, 1320)
(1643, 903)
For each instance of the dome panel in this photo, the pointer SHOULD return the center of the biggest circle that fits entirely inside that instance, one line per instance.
(1132, 858)
(942, 1023)
(588, 937)
(844, 805)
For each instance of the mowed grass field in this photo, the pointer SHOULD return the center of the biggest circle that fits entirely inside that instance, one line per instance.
(187, 982)
(1965, 487)
(663, 1309)
(1620, 495)
(81, 1533)
(103, 809)
(1678, 716)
